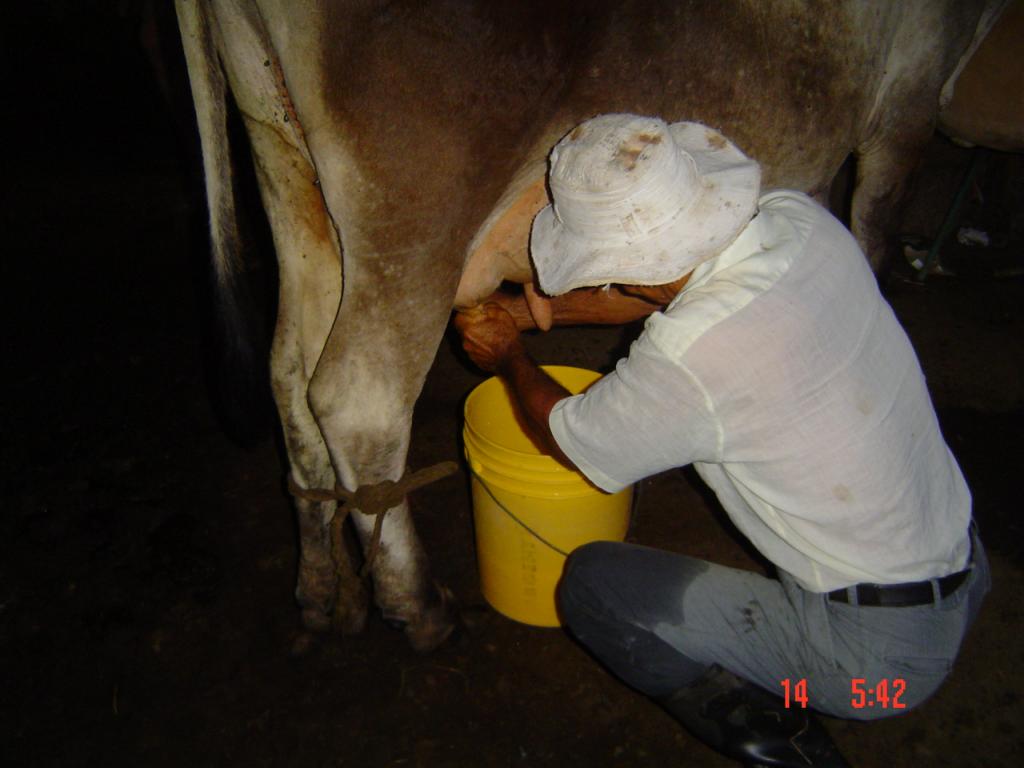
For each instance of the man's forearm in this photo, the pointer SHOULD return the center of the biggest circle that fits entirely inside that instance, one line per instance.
(603, 306)
(537, 393)
(585, 306)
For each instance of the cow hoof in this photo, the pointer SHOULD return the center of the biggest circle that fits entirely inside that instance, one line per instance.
(435, 625)
(302, 644)
(315, 620)
(349, 619)
(346, 620)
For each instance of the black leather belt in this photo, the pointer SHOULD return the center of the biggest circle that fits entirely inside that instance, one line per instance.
(900, 595)
(903, 595)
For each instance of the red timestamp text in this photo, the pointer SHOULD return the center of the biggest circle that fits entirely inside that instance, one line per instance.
(794, 692)
(884, 694)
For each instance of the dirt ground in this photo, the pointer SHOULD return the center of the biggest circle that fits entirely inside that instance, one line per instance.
(147, 561)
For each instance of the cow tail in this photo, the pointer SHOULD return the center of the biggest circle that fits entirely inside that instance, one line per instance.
(240, 393)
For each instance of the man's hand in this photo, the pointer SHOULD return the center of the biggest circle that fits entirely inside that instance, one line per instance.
(489, 336)
(491, 339)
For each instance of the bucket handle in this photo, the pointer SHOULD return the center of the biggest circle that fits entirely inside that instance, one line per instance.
(509, 512)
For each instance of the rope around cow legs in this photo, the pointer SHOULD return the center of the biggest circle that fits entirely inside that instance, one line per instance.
(375, 500)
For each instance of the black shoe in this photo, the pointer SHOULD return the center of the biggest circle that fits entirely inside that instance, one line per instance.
(748, 724)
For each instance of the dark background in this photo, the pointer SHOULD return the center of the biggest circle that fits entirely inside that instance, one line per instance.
(147, 559)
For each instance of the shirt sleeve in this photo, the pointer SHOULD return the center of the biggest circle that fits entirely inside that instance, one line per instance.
(649, 415)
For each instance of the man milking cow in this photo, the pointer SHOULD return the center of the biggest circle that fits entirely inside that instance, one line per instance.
(771, 362)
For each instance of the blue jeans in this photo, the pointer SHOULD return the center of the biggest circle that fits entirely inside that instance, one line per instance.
(658, 620)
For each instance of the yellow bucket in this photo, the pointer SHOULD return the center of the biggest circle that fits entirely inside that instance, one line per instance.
(530, 511)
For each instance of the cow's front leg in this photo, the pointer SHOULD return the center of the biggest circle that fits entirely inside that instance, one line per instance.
(328, 590)
(362, 395)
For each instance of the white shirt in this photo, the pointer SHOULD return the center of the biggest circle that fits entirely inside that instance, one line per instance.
(782, 374)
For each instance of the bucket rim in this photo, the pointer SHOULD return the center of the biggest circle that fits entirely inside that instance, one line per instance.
(481, 389)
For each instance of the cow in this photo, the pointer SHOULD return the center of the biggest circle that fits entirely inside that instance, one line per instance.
(400, 150)
(987, 105)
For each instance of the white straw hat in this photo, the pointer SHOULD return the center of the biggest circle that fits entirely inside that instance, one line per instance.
(641, 202)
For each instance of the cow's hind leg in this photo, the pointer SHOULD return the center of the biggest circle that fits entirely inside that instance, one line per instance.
(363, 393)
(882, 170)
(328, 590)
(895, 136)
